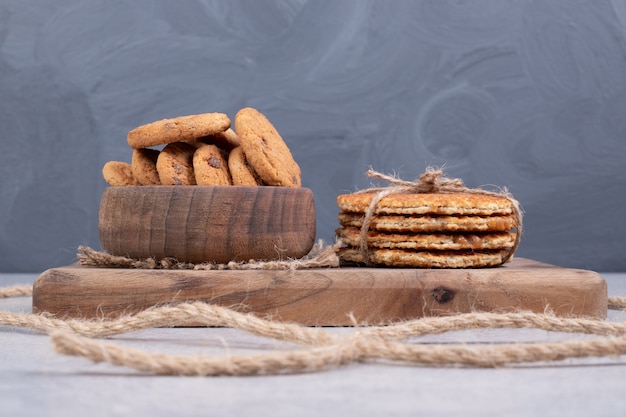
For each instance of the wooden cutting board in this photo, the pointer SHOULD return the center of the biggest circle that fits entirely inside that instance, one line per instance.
(326, 297)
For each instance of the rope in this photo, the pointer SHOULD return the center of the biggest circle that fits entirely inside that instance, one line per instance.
(320, 256)
(319, 349)
(16, 291)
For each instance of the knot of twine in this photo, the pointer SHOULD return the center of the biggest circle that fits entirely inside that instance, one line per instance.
(432, 181)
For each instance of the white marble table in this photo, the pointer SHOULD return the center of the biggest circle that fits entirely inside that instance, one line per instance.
(36, 381)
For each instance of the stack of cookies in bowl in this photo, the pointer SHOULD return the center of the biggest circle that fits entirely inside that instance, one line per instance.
(200, 191)
(427, 230)
(203, 149)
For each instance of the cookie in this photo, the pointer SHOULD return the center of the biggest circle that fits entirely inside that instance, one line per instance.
(442, 204)
(175, 164)
(425, 259)
(430, 223)
(227, 140)
(240, 171)
(180, 129)
(425, 241)
(265, 150)
(210, 166)
(143, 165)
(118, 173)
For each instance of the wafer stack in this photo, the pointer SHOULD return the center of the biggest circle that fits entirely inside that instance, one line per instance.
(428, 230)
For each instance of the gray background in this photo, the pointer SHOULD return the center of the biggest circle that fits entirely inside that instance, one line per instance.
(530, 95)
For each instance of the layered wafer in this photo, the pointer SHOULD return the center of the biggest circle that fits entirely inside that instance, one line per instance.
(427, 230)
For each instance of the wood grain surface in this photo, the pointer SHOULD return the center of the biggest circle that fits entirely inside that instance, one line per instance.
(327, 297)
(207, 223)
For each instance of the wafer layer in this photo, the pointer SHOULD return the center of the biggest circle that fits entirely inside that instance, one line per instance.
(428, 241)
(410, 204)
(425, 259)
(430, 223)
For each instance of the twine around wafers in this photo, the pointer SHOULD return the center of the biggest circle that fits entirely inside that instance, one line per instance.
(319, 350)
(432, 181)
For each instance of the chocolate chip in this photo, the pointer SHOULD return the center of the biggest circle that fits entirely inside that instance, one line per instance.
(214, 162)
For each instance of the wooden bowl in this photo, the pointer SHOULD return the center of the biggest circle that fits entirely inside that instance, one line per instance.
(207, 223)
